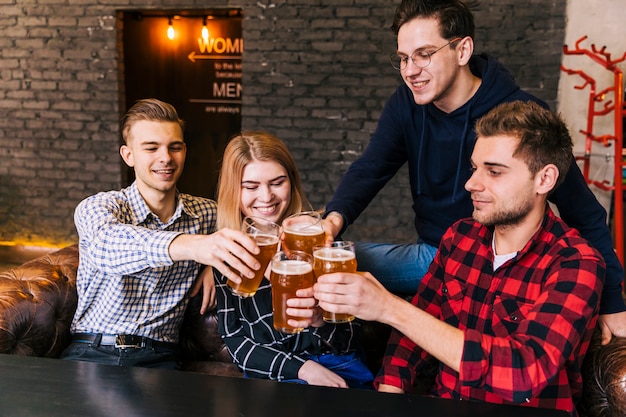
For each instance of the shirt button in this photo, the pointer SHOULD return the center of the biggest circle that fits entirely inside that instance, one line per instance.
(513, 317)
(444, 290)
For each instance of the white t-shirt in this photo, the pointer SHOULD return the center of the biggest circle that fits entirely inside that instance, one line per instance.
(498, 260)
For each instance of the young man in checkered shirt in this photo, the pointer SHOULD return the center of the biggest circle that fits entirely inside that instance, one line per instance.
(511, 299)
(142, 249)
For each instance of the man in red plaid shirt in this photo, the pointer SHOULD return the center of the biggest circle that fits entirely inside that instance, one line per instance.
(510, 301)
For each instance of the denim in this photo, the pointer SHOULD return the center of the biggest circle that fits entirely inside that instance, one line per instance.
(349, 366)
(148, 358)
(399, 268)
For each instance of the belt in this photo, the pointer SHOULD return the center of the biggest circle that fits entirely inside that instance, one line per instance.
(121, 341)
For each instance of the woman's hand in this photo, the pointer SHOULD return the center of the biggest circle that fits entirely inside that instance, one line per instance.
(315, 374)
(304, 307)
(206, 281)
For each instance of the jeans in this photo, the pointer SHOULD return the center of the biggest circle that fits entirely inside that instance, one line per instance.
(349, 366)
(399, 268)
(148, 358)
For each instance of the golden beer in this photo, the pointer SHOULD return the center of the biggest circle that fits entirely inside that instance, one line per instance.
(327, 260)
(266, 235)
(303, 231)
(287, 277)
(268, 244)
(303, 240)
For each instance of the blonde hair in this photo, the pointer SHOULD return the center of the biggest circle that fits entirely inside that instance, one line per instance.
(241, 150)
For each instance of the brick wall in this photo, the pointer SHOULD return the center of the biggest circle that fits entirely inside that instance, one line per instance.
(315, 73)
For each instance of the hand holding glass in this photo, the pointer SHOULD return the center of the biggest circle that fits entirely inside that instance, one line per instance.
(265, 233)
(337, 257)
(291, 272)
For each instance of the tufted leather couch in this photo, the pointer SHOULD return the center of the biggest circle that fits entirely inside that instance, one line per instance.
(604, 379)
(38, 300)
(37, 304)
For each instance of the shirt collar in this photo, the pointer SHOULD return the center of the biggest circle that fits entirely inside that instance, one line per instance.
(143, 214)
(545, 233)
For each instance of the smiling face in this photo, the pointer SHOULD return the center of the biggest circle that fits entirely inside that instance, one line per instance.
(503, 190)
(440, 82)
(265, 190)
(156, 151)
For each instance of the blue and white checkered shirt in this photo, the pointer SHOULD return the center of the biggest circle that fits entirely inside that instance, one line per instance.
(127, 283)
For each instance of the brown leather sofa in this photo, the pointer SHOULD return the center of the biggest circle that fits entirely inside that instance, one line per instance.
(38, 300)
(604, 379)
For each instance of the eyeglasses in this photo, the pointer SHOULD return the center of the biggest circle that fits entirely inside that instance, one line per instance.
(420, 58)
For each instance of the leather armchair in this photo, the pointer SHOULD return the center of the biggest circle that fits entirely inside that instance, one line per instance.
(604, 379)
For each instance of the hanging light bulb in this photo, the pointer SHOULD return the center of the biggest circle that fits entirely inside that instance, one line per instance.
(205, 30)
(170, 29)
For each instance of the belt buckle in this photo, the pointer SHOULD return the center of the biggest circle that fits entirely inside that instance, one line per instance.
(124, 341)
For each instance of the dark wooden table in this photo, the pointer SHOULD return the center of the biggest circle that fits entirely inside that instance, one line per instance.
(51, 387)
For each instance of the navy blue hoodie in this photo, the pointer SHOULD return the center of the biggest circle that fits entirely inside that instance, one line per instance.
(438, 147)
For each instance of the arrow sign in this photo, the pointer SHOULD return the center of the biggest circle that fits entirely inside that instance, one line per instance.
(193, 56)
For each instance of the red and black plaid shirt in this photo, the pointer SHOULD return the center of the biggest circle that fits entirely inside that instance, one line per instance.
(527, 325)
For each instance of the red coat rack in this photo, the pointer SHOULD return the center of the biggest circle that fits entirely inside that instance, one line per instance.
(609, 100)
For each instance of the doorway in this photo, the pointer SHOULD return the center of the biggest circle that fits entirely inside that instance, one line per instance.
(192, 60)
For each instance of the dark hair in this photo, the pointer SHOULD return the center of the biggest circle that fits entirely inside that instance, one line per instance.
(455, 16)
(543, 136)
(149, 109)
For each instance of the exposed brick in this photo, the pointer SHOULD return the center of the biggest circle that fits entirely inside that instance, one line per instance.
(315, 73)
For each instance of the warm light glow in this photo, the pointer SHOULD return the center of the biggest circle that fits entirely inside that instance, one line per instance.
(205, 31)
(170, 30)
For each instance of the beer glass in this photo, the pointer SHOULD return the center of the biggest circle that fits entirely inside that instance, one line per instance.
(303, 231)
(266, 235)
(336, 257)
(291, 271)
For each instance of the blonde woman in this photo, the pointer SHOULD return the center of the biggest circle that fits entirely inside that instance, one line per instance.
(259, 178)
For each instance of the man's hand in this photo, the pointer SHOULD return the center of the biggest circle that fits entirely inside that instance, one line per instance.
(612, 324)
(315, 374)
(206, 281)
(304, 307)
(332, 224)
(362, 295)
(359, 294)
(229, 251)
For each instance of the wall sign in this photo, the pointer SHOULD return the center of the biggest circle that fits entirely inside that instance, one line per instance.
(193, 60)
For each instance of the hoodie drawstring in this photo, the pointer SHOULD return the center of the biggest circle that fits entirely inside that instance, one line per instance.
(420, 152)
(459, 159)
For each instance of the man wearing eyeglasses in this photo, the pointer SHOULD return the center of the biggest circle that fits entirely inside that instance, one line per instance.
(429, 123)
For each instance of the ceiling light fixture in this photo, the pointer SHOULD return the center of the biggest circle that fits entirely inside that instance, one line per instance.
(170, 29)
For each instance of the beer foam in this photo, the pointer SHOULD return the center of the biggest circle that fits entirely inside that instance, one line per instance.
(329, 254)
(265, 240)
(291, 267)
(304, 230)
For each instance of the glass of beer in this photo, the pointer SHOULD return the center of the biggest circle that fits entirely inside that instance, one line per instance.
(266, 235)
(291, 271)
(336, 257)
(303, 231)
